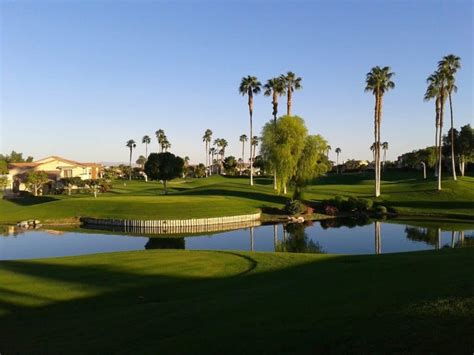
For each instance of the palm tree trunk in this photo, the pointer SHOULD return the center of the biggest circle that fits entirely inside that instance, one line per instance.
(164, 187)
(130, 164)
(146, 151)
(453, 164)
(288, 103)
(436, 136)
(275, 112)
(337, 163)
(379, 125)
(251, 135)
(375, 139)
(440, 142)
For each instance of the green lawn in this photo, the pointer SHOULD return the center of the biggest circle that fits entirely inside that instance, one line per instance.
(179, 302)
(224, 196)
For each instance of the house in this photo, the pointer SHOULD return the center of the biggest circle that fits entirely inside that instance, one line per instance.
(56, 168)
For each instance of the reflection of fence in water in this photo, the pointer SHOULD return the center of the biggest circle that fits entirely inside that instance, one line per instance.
(185, 226)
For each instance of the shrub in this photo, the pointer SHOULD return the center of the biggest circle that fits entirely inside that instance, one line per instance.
(364, 204)
(331, 210)
(295, 207)
(380, 210)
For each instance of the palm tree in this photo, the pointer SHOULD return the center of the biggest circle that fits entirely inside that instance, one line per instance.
(223, 144)
(131, 145)
(250, 86)
(385, 148)
(338, 151)
(437, 89)
(146, 140)
(275, 87)
(160, 135)
(292, 83)
(212, 151)
(206, 138)
(432, 92)
(378, 81)
(165, 144)
(255, 140)
(243, 138)
(328, 148)
(372, 148)
(449, 65)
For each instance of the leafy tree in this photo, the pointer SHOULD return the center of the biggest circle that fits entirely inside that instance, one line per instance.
(449, 65)
(250, 86)
(200, 171)
(292, 83)
(141, 161)
(3, 182)
(131, 145)
(164, 166)
(466, 146)
(146, 140)
(35, 181)
(230, 165)
(3, 167)
(282, 145)
(70, 182)
(15, 157)
(298, 241)
(378, 81)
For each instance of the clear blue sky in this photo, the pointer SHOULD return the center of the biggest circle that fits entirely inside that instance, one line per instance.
(80, 78)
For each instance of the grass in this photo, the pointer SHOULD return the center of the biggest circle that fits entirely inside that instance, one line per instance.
(224, 196)
(164, 301)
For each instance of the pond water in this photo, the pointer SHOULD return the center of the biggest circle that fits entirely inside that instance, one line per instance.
(370, 237)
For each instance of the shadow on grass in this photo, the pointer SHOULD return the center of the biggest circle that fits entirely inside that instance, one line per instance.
(32, 200)
(324, 304)
(251, 195)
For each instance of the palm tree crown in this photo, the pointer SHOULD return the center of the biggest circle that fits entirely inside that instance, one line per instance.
(378, 80)
(292, 83)
(275, 87)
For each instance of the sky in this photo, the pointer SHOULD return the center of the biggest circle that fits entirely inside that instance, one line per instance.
(80, 78)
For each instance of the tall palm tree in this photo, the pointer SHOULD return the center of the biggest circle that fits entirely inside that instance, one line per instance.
(338, 151)
(212, 151)
(385, 148)
(250, 86)
(160, 135)
(243, 138)
(146, 140)
(223, 144)
(131, 145)
(378, 81)
(437, 89)
(165, 144)
(432, 92)
(275, 87)
(328, 148)
(449, 65)
(292, 83)
(206, 138)
(255, 140)
(372, 148)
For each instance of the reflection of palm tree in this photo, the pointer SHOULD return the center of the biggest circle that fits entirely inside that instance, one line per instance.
(426, 235)
(378, 241)
(252, 242)
(275, 236)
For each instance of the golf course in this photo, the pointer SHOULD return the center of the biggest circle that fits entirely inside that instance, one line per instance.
(216, 196)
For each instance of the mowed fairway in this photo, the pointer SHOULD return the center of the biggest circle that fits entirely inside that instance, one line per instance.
(177, 302)
(226, 196)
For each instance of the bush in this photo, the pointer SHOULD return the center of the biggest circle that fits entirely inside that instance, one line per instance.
(331, 210)
(381, 210)
(295, 207)
(364, 204)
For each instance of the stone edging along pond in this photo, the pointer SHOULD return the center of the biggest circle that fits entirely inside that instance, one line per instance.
(169, 223)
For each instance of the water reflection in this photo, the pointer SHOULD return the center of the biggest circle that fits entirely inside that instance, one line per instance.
(378, 241)
(297, 241)
(165, 243)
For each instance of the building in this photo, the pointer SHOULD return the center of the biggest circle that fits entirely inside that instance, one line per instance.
(56, 168)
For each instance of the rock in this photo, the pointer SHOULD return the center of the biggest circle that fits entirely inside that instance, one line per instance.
(37, 221)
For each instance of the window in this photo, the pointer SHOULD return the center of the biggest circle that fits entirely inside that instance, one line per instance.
(67, 173)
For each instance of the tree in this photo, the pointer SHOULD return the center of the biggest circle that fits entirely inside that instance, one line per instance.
(338, 151)
(254, 145)
(164, 166)
(70, 182)
(35, 181)
(437, 89)
(15, 157)
(372, 148)
(146, 140)
(165, 145)
(212, 152)
(3, 167)
(3, 182)
(206, 138)
(449, 65)
(200, 171)
(275, 87)
(250, 86)
(141, 161)
(131, 145)
(466, 146)
(378, 81)
(282, 145)
(160, 136)
(385, 148)
(292, 83)
(328, 149)
(230, 165)
(243, 138)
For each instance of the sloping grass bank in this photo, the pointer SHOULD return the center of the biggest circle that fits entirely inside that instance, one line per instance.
(226, 196)
(170, 302)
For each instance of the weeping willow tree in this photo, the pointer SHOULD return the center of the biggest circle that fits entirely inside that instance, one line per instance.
(295, 156)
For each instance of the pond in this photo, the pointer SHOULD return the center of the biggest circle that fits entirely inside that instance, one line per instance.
(332, 236)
